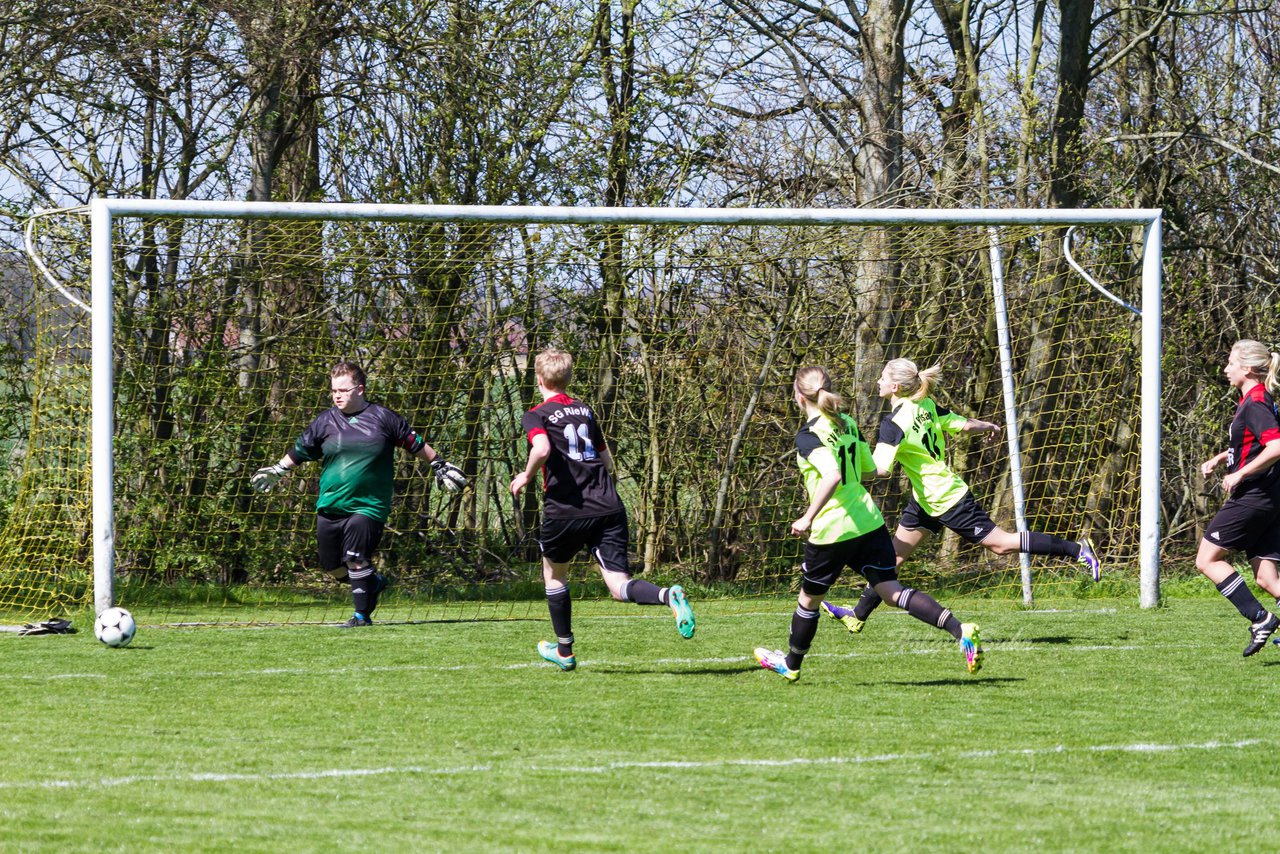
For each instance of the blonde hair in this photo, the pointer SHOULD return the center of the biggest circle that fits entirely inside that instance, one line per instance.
(554, 368)
(813, 383)
(1263, 364)
(912, 382)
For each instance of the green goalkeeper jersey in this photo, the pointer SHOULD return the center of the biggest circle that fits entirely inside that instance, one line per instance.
(913, 436)
(825, 446)
(358, 451)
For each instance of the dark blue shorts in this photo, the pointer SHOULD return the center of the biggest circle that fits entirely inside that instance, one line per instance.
(606, 537)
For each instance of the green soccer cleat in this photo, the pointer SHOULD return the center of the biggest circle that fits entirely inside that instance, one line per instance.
(680, 608)
(551, 652)
(777, 662)
(844, 615)
(971, 646)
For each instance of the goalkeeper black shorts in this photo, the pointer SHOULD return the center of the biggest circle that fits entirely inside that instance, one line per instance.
(346, 537)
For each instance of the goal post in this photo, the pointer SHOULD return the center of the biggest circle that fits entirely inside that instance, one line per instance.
(628, 354)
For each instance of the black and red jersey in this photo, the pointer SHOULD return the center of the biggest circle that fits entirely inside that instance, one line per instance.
(1256, 423)
(576, 483)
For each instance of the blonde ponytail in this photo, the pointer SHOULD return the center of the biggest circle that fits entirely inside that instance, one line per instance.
(912, 382)
(1262, 363)
(813, 384)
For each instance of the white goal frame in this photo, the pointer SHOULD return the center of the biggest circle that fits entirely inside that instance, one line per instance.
(103, 211)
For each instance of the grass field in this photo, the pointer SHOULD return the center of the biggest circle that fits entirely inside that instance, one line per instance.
(1094, 726)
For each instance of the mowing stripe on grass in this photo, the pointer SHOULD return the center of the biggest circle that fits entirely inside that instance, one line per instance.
(714, 764)
(892, 613)
(1001, 647)
(941, 649)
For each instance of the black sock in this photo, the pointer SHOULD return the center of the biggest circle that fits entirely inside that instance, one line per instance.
(376, 584)
(925, 608)
(804, 625)
(1033, 543)
(362, 590)
(1239, 594)
(561, 608)
(867, 602)
(642, 592)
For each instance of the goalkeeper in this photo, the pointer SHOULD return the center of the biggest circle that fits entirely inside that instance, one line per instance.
(912, 435)
(355, 439)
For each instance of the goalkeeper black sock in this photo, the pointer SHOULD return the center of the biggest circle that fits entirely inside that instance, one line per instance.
(926, 609)
(378, 583)
(1032, 543)
(642, 592)
(804, 625)
(362, 590)
(867, 602)
(1239, 594)
(561, 608)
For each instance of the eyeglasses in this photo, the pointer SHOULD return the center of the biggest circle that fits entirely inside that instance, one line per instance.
(338, 391)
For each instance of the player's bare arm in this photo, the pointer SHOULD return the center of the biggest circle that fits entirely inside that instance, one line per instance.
(974, 425)
(1265, 460)
(1207, 467)
(539, 451)
(826, 488)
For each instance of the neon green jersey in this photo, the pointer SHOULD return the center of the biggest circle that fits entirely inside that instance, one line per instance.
(825, 446)
(913, 436)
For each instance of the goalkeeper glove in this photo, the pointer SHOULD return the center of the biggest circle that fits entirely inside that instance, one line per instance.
(448, 475)
(48, 627)
(264, 479)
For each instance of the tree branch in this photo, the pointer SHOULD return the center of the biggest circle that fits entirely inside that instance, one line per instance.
(1191, 134)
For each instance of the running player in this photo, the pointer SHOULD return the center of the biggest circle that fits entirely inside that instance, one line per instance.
(1249, 520)
(580, 507)
(356, 440)
(844, 528)
(912, 434)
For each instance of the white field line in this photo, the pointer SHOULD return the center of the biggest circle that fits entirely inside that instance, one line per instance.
(609, 767)
(999, 648)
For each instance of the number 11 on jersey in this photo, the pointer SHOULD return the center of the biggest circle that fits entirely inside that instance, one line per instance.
(580, 444)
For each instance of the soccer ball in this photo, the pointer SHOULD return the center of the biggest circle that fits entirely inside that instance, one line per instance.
(115, 627)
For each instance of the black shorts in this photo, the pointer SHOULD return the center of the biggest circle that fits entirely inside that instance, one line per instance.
(870, 554)
(1250, 523)
(607, 538)
(966, 518)
(343, 538)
